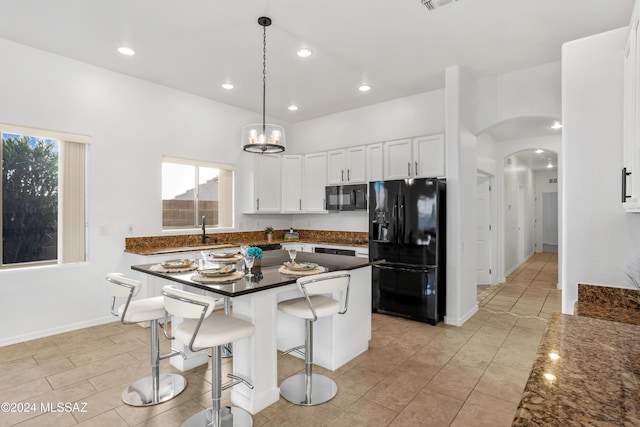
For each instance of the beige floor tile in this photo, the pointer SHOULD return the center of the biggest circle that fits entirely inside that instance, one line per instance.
(474, 354)
(364, 413)
(386, 359)
(397, 390)
(428, 409)
(19, 374)
(359, 380)
(450, 340)
(455, 381)
(516, 356)
(481, 410)
(51, 419)
(303, 416)
(174, 416)
(490, 335)
(22, 392)
(503, 382)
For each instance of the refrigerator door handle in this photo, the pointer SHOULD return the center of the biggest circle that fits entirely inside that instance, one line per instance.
(397, 268)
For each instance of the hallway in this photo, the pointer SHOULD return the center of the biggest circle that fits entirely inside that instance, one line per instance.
(530, 290)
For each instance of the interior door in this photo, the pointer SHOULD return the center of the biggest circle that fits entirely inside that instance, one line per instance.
(483, 215)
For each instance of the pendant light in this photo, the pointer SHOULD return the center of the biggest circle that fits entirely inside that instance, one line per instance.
(262, 137)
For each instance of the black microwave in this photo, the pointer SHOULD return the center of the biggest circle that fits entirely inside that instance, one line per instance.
(346, 197)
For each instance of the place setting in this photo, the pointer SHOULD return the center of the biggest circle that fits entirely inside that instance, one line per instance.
(222, 256)
(214, 272)
(174, 266)
(304, 268)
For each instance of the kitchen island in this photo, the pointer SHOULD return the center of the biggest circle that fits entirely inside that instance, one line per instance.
(586, 372)
(337, 339)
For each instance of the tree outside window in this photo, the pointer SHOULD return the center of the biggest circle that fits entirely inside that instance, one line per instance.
(29, 199)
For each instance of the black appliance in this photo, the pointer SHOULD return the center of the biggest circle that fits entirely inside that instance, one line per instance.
(323, 250)
(346, 197)
(270, 247)
(407, 229)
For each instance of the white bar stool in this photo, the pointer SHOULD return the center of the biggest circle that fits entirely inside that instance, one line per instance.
(310, 389)
(202, 329)
(158, 387)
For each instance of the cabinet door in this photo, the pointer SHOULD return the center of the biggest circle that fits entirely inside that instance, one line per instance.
(356, 165)
(314, 182)
(336, 162)
(267, 183)
(428, 156)
(397, 159)
(631, 120)
(291, 183)
(374, 163)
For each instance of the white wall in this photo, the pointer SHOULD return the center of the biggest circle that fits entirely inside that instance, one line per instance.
(600, 239)
(416, 115)
(518, 177)
(531, 92)
(132, 124)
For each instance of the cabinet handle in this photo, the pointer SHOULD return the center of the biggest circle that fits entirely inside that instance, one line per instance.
(258, 204)
(324, 204)
(348, 175)
(408, 168)
(300, 204)
(416, 168)
(625, 174)
(342, 175)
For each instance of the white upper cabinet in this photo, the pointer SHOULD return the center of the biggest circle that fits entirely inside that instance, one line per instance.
(428, 156)
(266, 183)
(630, 175)
(397, 159)
(291, 183)
(313, 182)
(422, 157)
(346, 166)
(375, 171)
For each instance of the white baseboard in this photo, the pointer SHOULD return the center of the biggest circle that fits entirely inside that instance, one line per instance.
(58, 330)
(461, 320)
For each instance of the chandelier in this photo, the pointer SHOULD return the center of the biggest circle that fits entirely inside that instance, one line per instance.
(262, 137)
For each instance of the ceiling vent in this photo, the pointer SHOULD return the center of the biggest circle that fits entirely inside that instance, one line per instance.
(434, 4)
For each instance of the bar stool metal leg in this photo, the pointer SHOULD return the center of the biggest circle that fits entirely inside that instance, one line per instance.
(218, 415)
(158, 387)
(308, 389)
(227, 349)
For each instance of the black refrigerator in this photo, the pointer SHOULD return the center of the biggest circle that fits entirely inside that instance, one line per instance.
(407, 229)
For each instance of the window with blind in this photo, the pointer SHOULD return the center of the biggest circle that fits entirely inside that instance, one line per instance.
(43, 197)
(194, 189)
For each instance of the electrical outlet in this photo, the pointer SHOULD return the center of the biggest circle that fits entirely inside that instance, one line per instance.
(130, 228)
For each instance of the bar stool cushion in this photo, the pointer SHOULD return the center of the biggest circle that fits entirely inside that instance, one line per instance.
(217, 329)
(144, 310)
(299, 307)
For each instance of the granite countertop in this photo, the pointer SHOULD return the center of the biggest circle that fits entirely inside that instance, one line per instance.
(586, 372)
(158, 245)
(609, 303)
(266, 276)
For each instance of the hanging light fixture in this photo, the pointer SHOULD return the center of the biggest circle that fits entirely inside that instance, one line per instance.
(262, 137)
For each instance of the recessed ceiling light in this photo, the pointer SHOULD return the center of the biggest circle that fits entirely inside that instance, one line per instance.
(364, 88)
(227, 86)
(556, 125)
(304, 52)
(539, 151)
(292, 108)
(549, 166)
(126, 51)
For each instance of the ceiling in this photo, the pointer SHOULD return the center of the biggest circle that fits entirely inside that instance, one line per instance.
(397, 46)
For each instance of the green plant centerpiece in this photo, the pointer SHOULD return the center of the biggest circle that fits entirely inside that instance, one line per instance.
(268, 231)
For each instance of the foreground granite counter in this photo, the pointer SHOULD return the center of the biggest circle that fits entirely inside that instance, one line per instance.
(586, 373)
(609, 303)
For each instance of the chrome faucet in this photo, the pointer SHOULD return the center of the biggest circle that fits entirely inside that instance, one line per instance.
(204, 230)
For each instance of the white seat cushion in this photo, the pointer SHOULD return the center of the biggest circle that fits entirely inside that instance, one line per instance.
(144, 310)
(299, 307)
(217, 329)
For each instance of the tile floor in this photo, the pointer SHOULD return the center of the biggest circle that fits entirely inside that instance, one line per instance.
(414, 374)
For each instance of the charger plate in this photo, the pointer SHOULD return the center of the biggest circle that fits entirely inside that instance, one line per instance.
(308, 272)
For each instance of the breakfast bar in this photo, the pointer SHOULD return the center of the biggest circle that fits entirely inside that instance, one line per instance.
(337, 339)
